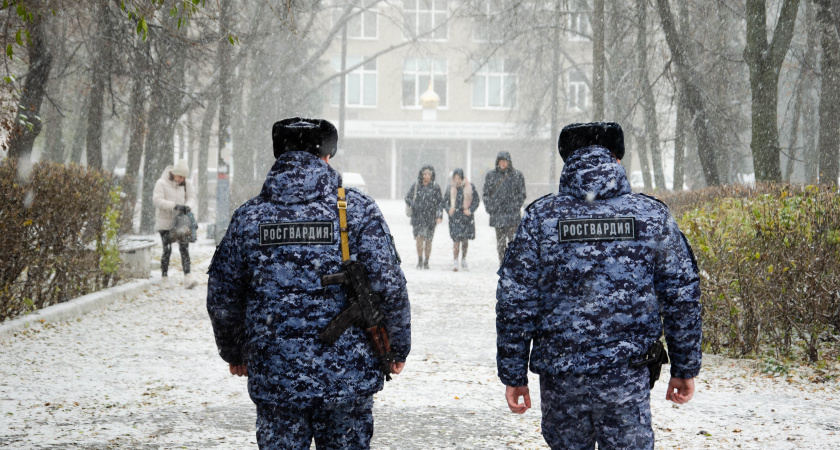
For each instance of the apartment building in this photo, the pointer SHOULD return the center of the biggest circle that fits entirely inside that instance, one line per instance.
(428, 86)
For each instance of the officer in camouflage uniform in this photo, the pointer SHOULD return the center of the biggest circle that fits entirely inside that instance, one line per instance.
(593, 276)
(267, 304)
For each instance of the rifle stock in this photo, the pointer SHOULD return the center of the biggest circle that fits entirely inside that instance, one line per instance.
(363, 311)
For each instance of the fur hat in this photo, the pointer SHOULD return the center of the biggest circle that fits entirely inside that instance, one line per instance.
(578, 135)
(315, 136)
(181, 169)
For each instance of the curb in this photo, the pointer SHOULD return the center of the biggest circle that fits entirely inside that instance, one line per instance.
(76, 307)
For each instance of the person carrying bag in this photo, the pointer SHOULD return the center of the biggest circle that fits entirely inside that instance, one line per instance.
(174, 197)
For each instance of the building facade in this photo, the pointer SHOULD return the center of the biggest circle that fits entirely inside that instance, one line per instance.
(462, 53)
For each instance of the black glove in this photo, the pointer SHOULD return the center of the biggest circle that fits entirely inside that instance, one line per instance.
(182, 208)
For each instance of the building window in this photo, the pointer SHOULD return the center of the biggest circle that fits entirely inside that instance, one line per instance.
(578, 27)
(427, 18)
(494, 85)
(363, 22)
(578, 92)
(360, 83)
(416, 75)
(488, 26)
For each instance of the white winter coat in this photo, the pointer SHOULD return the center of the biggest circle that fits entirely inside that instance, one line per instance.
(168, 195)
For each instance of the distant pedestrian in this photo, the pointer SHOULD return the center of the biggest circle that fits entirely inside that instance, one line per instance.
(595, 275)
(173, 194)
(424, 199)
(461, 201)
(504, 194)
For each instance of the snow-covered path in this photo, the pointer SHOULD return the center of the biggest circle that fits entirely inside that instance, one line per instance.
(144, 373)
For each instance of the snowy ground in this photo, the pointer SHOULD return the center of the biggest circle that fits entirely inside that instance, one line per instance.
(144, 373)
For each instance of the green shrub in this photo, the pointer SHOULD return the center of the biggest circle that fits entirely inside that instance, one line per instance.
(768, 258)
(58, 231)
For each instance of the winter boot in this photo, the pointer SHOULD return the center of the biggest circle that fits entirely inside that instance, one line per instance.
(426, 264)
(464, 264)
(455, 265)
(419, 263)
(189, 281)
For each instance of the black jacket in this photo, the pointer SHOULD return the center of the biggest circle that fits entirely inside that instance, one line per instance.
(425, 201)
(504, 194)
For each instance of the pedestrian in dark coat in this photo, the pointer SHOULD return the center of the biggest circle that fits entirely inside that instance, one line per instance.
(267, 303)
(424, 199)
(461, 201)
(595, 275)
(504, 194)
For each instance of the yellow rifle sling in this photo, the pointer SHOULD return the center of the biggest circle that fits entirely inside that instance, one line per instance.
(342, 222)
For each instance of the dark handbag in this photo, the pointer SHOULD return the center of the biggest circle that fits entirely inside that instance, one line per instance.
(181, 229)
(193, 227)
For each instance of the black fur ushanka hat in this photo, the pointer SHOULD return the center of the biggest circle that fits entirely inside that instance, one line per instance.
(316, 136)
(578, 135)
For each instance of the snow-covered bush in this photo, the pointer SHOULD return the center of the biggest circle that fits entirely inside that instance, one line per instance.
(55, 228)
(769, 258)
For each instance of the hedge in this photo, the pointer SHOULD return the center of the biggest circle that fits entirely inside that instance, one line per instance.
(769, 257)
(59, 226)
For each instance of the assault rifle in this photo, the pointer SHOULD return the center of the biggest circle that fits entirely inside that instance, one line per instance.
(364, 312)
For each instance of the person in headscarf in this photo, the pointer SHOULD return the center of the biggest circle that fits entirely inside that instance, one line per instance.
(424, 199)
(461, 201)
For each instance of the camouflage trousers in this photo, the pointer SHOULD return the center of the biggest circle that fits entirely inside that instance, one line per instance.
(611, 408)
(343, 426)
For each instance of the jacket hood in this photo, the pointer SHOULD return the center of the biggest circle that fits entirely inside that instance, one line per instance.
(299, 177)
(506, 156)
(420, 174)
(592, 173)
(165, 174)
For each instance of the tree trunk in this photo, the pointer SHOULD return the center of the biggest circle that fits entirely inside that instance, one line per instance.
(809, 151)
(765, 61)
(167, 91)
(793, 141)
(682, 125)
(224, 63)
(829, 134)
(53, 141)
(98, 72)
(553, 149)
(599, 61)
(648, 100)
(204, 157)
(137, 116)
(40, 62)
(707, 142)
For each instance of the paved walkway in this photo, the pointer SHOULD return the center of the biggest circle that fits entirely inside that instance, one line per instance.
(143, 373)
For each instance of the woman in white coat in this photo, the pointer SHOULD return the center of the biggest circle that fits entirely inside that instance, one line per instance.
(173, 194)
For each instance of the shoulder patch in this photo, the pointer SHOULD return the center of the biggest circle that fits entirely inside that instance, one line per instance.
(302, 233)
(598, 229)
(535, 201)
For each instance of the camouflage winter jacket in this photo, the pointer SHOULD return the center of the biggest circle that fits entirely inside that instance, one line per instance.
(592, 276)
(265, 297)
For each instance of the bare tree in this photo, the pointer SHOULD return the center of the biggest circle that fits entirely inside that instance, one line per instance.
(689, 83)
(648, 100)
(27, 124)
(829, 134)
(765, 61)
(599, 60)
